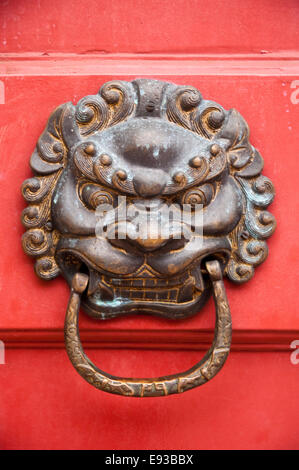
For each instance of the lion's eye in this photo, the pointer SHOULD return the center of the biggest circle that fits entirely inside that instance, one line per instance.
(94, 196)
(195, 196)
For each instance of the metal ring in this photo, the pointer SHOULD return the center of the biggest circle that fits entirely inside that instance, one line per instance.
(203, 371)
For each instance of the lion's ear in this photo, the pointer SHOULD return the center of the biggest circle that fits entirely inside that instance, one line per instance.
(60, 134)
(244, 159)
(47, 162)
(249, 247)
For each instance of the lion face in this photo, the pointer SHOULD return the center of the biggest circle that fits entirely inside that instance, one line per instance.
(118, 167)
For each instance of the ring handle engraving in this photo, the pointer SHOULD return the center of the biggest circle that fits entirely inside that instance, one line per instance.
(200, 373)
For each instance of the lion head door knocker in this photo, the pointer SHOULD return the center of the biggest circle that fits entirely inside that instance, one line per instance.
(144, 196)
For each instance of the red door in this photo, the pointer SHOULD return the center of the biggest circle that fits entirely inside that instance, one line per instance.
(240, 55)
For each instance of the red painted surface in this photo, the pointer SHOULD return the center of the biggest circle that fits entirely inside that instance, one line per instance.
(251, 404)
(101, 26)
(241, 56)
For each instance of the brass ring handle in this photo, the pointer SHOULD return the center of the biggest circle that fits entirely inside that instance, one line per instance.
(203, 371)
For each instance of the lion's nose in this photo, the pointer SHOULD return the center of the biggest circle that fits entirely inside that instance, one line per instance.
(149, 182)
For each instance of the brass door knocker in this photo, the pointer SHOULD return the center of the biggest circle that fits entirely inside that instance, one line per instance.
(144, 196)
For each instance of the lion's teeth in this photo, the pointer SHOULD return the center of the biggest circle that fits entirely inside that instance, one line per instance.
(93, 283)
(106, 292)
(198, 280)
(186, 292)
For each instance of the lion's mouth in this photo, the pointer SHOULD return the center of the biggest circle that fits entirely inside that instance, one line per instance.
(178, 289)
(146, 291)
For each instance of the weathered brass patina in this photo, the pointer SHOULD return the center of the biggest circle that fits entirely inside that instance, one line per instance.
(158, 145)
